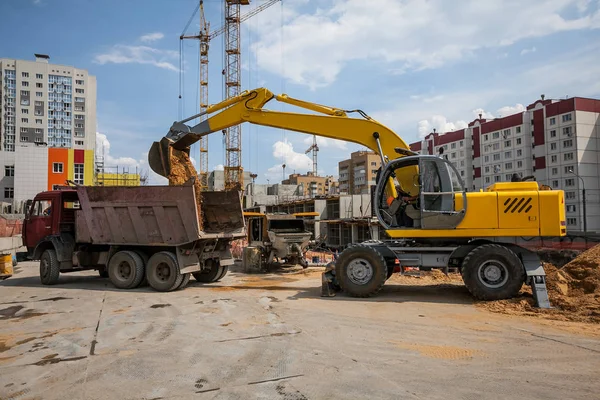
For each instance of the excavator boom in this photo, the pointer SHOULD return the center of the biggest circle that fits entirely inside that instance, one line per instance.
(248, 107)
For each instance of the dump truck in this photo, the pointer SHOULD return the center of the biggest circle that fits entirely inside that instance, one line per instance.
(134, 235)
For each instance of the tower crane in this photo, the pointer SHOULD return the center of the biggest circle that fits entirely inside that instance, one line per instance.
(314, 148)
(232, 81)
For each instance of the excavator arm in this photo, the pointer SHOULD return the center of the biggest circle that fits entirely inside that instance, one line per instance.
(249, 107)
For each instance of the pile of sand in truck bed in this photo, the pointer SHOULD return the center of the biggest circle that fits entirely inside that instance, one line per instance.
(182, 170)
(574, 292)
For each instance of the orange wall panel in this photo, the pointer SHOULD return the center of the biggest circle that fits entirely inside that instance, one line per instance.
(56, 155)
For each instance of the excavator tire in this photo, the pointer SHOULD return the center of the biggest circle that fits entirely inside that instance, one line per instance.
(361, 271)
(493, 272)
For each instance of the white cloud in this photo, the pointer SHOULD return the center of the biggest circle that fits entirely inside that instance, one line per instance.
(510, 110)
(481, 113)
(441, 125)
(37, 2)
(293, 161)
(326, 143)
(126, 164)
(123, 54)
(408, 35)
(526, 51)
(219, 167)
(151, 37)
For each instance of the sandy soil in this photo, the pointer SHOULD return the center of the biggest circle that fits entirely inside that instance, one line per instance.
(182, 170)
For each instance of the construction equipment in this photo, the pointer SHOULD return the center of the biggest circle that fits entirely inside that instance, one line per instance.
(434, 223)
(280, 237)
(132, 234)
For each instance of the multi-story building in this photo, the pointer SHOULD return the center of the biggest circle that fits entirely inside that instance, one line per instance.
(557, 141)
(47, 126)
(216, 180)
(312, 185)
(357, 174)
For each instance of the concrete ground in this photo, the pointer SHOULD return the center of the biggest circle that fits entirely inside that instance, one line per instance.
(273, 337)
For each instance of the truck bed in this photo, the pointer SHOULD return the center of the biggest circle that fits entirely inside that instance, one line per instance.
(155, 215)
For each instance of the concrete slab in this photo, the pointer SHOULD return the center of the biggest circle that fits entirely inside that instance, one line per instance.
(273, 337)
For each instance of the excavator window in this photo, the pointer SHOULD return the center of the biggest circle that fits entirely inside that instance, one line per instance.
(432, 204)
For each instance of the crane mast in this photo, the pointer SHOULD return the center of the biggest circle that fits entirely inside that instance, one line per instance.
(314, 148)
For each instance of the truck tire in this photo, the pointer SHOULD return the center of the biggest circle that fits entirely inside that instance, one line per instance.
(211, 275)
(49, 267)
(185, 281)
(493, 272)
(126, 269)
(162, 272)
(361, 271)
(223, 273)
(144, 258)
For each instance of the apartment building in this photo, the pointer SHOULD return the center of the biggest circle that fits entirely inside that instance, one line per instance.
(312, 185)
(557, 141)
(47, 126)
(357, 174)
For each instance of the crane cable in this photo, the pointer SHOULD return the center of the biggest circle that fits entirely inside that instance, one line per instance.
(181, 61)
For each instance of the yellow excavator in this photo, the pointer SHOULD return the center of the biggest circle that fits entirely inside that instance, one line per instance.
(420, 200)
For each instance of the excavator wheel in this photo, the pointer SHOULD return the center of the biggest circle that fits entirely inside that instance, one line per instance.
(361, 271)
(493, 272)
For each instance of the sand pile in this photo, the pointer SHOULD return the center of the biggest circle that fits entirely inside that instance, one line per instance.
(182, 170)
(574, 292)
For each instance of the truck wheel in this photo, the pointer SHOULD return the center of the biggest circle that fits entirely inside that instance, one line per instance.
(49, 267)
(209, 275)
(185, 281)
(492, 272)
(361, 271)
(162, 272)
(223, 273)
(126, 269)
(144, 258)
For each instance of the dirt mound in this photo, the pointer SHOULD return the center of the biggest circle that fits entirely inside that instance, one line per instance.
(433, 277)
(574, 292)
(182, 170)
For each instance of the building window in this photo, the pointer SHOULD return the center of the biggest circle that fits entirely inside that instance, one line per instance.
(568, 157)
(80, 91)
(24, 138)
(487, 169)
(554, 158)
(570, 195)
(38, 121)
(39, 94)
(519, 153)
(25, 120)
(24, 130)
(566, 117)
(25, 84)
(519, 164)
(508, 165)
(571, 221)
(570, 182)
(79, 82)
(9, 193)
(495, 135)
(24, 111)
(518, 129)
(57, 167)
(39, 85)
(453, 146)
(507, 154)
(553, 133)
(38, 130)
(78, 174)
(496, 178)
(496, 157)
(496, 146)
(571, 208)
(567, 130)
(39, 76)
(462, 173)
(552, 121)
(568, 143)
(518, 141)
(38, 140)
(554, 171)
(487, 158)
(79, 143)
(555, 184)
(25, 74)
(487, 179)
(568, 169)
(485, 138)
(506, 133)
(462, 163)
(9, 170)
(453, 155)
(507, 143)
(461, 144)
(553, 146)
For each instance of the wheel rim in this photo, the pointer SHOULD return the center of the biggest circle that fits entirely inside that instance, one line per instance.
(124, 270)
(163, 272)
(359, 271)
(493, 274)
(45, 268)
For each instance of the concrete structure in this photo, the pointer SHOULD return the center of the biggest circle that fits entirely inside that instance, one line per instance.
(342, 219)
(548, 140)
(312, 185)
(260, 194)
(47, 126)
(216, 179)
(357, 174)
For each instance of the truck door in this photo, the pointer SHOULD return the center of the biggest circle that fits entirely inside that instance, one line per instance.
(38, 223)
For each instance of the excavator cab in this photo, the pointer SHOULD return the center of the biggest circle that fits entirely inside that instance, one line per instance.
(434, 190)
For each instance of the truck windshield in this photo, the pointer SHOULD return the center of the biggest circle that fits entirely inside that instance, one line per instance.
(286, 225)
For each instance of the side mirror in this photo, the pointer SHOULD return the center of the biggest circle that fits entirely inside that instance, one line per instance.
(28, 204)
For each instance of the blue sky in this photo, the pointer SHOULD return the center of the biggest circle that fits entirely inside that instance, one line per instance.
(412, 65)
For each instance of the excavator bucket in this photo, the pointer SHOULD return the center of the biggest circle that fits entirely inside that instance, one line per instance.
(159, 157)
